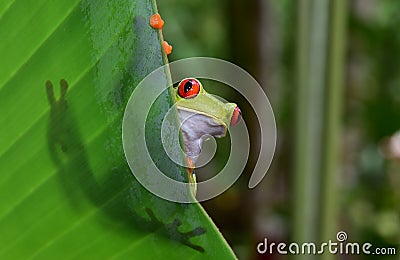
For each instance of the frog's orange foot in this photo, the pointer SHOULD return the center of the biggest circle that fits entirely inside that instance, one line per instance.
(167, 48)
(189, 162)
(156, 22)
(191, 176)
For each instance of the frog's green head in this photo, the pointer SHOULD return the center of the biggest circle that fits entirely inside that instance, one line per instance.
(202, 115)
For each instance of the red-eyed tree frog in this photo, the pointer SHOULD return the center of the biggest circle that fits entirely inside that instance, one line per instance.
(201, 115)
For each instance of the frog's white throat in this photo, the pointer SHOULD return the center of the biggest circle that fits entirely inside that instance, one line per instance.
(196, 128)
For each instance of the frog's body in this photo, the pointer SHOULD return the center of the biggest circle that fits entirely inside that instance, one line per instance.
(201, 115)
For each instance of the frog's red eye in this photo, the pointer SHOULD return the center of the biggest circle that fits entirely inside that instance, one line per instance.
(189, 88)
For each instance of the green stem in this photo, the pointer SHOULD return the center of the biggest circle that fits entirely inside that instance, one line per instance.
(332, 130)
(311, 60)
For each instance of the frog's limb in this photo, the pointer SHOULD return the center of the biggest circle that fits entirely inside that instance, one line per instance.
(193, 183)
(191, 176)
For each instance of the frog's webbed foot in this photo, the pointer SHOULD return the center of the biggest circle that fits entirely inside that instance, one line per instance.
(171, 230)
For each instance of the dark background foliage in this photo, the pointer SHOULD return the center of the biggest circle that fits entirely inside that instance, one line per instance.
(265, 38)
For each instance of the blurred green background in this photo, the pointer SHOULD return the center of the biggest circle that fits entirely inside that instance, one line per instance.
(331, 70)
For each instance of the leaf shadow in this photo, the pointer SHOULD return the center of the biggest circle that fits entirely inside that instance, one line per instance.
(68, 153)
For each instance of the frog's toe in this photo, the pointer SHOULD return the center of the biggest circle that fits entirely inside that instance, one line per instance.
(156, 22)
(167, 48)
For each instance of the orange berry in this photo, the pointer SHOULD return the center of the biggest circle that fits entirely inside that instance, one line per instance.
(156, 22)
(167, 48)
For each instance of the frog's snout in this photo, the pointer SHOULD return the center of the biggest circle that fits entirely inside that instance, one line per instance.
(236, 116)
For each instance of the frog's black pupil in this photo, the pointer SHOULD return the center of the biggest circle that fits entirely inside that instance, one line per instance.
(187, 86)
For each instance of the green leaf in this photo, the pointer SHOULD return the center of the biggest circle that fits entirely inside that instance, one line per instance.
(66, 190)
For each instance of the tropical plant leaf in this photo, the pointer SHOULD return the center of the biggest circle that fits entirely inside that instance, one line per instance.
(67, 71)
